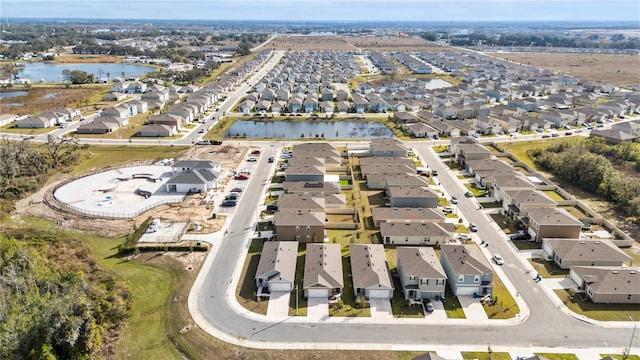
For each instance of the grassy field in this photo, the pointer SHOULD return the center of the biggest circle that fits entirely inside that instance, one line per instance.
(246, 291)
(548, 269)
(602, 312)
(553, 195)
(44, 98)
(554, 356)
(97, 157)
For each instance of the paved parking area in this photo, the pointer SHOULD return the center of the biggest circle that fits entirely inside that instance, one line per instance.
(380, 308)
(472, 307)
(438, 312)
(317, 308)
(278, 307)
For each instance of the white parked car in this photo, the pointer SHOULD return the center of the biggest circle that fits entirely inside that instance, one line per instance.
(464, 237)
(498, 259)
(252, 159)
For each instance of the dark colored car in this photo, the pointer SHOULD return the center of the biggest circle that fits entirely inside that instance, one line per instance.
(468, 194)
(523, 236)
(271, 159)
(272, 207)
(215, 142)
(229, 203)
(241, 177)
(255, 152)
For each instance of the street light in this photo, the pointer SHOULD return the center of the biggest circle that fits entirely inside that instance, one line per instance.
(633, 334)
(297, 304)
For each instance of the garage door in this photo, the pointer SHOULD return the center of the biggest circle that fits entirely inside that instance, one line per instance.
(547, 249)
(379, 294)
(575, 278)
(318, 293)
(279, 286)
(465, 291)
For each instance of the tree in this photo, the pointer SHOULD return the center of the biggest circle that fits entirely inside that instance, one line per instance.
(76, 76)
(61, 151)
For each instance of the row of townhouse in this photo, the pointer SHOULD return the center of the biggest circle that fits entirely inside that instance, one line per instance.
(598, 267)
(47, 119)
(421, 273)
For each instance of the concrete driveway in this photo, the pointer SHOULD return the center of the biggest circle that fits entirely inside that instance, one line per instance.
(317, 308)
(380, 308)
(472, 307)
(438, 312)
(278, 307)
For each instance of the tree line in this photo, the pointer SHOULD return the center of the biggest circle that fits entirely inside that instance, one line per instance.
(55, 301)
(616, 41)
(597, 167)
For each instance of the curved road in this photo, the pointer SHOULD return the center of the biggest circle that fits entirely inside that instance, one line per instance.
(546, 326)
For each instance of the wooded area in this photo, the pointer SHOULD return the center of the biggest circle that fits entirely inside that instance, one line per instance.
(597, 167)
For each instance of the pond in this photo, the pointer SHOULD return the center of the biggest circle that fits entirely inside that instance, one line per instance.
(309, 129)
(11, 94)
(437, 84)
(53, 72)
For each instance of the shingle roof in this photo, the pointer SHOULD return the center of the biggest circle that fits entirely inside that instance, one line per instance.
(610, 279)
(279, 258)
(369, 266)
(323, 266)
(466, 259)
(421, 262)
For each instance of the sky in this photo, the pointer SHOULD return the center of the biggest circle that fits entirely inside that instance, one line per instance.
(333, 10)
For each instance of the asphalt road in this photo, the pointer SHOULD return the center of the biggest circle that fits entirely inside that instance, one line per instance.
(547, 326)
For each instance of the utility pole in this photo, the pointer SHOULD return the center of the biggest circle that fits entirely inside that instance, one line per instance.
(297, 300)
(627, 351)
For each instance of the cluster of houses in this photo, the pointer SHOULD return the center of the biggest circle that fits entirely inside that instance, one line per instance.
(411, 219)
(314, 81)
(47, 119)
(593, 263)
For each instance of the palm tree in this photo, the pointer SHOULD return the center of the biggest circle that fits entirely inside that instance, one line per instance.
(108, 76)
(122, 75)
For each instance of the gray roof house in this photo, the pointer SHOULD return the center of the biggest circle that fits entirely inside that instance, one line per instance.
(420, 272)
(382, 214)
(557, 223)
(468, 271)
(369, 271)
(573, 252)
(412, 196)
(416, 233)
(388, 147)
(608, 284)
(323, 275)
(277, 266)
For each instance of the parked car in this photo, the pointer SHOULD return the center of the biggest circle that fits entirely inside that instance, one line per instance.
(252, 159)
(202, 131)
(283, 166)
(241, 177)
(464, 237)
(454, 200)
(215, 142)
(498, 259)
(473, 227)
(447, 209)
(255, 152)
(555, 135)
(545, 136)
(468, 194)
(236, 189)
(434, 173)
(521, 236)
(232, 196)
(271, 159)
(568, 133)
(272, 207)
(229, 203)
(428, 307)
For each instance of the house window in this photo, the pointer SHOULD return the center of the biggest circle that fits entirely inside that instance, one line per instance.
(297, 227)
(297, 237)
(629, 297)
(424, 282)
(460, 278)
(476, 279)
(412, 278)
(308, 238)
(308, 228)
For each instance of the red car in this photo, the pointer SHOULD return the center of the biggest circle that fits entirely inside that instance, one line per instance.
(255, 152)
(241, 177)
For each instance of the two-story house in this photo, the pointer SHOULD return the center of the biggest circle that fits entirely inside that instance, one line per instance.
(420, 272)
(468, 271)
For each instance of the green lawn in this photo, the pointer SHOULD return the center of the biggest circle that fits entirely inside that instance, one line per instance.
(145, 333)
(452, 306)
(440, 148)
(603, 312)
(505, 307)
(553, 195)
(349, 308)
(485, 355)
(548, 269)
(476, 192)
(399, 306)
(98, 156)
(302, 301)
(554, 356)
(621, 357)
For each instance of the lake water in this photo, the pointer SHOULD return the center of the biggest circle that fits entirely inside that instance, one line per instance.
(437, 84)
(53, 72)
(295, 129)
(11, 94)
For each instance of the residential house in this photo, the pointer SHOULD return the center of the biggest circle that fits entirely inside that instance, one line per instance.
(277, 266)
(412, 196)
(420, 273)
(101, 125)
(402, 117)
(383, 214)
(167, 119)
(422, 130)
(415, 233)
(360, 104)
(468, 271)
(303, 202)
(123, 110)
(608, 284)
(36, 122)
(323, 275)
(369, 272)
(303, 172)
(304, 226)
(567, 253)
(508, 182)
(313, 188)
(157, 130)
(543, 223)
(387, 147)
(516, 202)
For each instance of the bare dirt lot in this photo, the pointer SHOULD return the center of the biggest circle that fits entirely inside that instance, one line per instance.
(310, 43)
(393, 43)
(611, 68)
(41, 203)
